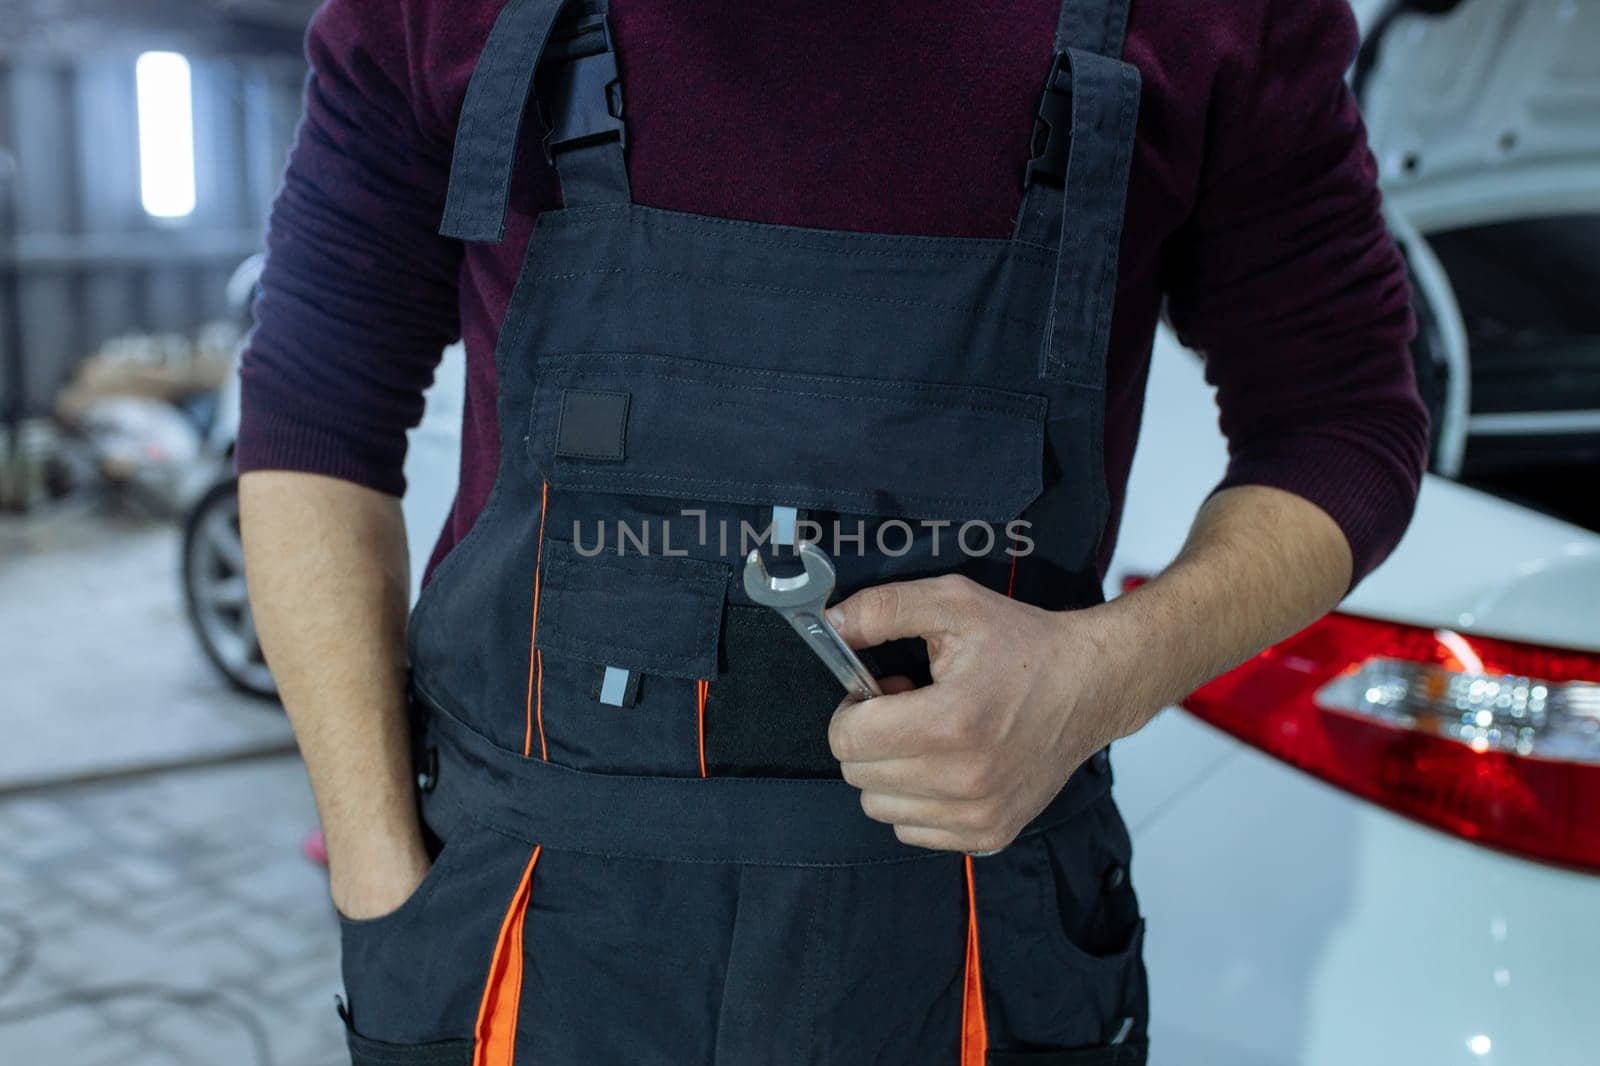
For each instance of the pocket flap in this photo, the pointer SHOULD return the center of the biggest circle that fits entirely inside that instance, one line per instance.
(663, 426)
(656, 614)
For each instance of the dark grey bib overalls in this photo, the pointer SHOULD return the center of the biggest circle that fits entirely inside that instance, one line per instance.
(648, 855)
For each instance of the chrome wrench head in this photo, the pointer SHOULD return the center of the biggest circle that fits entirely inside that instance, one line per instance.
(802, 601)
(810, 589)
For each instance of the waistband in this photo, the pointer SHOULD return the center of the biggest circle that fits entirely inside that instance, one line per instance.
(754, 821)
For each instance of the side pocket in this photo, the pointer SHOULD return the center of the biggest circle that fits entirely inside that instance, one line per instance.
(372, 956)
(1098, 929)
(1062, 942)
(367, 1052)
(1089, 892)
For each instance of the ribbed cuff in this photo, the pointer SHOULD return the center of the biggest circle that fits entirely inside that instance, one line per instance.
(276, 436)
(1363, 493)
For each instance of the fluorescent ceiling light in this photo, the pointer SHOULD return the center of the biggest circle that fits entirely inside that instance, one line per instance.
(166, 135)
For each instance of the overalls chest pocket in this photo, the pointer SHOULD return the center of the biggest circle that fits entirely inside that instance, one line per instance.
(624, 644)
(700, 455)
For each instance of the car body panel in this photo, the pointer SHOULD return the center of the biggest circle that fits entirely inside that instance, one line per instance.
(1469, 560)
(1477, 564)
(1166, 759)
(1290, 923)
(1489, 113)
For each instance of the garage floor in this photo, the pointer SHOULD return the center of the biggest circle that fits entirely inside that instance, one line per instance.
(154, 905)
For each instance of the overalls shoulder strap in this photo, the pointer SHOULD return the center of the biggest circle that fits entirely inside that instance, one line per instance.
(1077, 182)
(577, 83)
(1094, 26)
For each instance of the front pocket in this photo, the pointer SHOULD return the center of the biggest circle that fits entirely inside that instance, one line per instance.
(414, 977)
(659, 426)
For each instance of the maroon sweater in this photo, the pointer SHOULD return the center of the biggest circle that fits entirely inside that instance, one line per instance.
(1253, 214)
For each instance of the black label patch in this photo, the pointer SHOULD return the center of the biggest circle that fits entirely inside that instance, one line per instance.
(594, 425)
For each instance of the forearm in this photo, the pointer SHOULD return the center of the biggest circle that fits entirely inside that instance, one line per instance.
(1259, 565)
(329, 587)
(1021, 696)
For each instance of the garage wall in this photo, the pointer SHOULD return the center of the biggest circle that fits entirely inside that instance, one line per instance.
(80, 261)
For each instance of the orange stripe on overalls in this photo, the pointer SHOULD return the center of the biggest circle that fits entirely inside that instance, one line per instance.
(702, 690)
(496, 1030)
(974, 1027)
(535, 708)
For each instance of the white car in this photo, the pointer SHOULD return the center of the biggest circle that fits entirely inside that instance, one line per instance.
(1350, 851)
(1380, 842)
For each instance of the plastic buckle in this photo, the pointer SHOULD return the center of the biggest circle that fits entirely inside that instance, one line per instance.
(582, 101)
(1052, 131)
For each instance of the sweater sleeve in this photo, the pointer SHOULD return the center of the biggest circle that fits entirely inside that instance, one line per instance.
(359, 293)
(1286, 279)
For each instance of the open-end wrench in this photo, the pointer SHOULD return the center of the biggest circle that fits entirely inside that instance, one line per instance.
(801, 600)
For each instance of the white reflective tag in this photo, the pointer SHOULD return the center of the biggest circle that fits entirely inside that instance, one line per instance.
(614, 687)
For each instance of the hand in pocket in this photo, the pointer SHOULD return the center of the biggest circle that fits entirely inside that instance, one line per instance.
(373, 881)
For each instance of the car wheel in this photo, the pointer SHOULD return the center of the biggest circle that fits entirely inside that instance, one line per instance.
(215, 593)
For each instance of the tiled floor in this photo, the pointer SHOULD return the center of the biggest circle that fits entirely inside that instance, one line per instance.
(165, 916)
(170, 919)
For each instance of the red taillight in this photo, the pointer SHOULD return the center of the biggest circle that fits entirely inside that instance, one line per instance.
(1493, 740)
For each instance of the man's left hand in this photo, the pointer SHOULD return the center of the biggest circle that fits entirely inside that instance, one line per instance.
(1020, 698)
